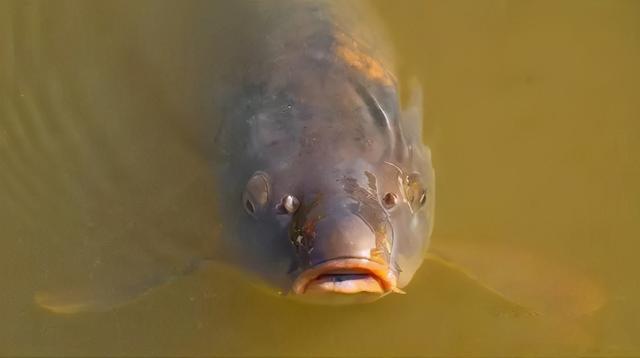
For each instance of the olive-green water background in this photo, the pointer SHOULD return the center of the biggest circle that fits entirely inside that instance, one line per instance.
(532, 111)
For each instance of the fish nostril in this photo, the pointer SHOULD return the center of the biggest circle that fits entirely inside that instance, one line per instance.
(289, 204)
(389, 200)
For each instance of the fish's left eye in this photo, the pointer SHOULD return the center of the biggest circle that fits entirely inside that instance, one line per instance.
(423, 198)
(415, 191)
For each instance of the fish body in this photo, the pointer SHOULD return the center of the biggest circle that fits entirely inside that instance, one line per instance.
(330, 189)
(266, 136)
(272, 141)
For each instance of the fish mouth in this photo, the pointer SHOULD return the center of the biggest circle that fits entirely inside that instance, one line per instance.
(346, 276)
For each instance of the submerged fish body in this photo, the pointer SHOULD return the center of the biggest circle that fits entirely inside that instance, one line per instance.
(323, 187)
(112, 166)
(329, 188)
(117, 144)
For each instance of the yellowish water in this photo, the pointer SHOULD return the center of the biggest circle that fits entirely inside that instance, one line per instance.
(532, 113)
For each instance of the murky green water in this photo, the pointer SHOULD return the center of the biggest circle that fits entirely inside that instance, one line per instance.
(532, 113)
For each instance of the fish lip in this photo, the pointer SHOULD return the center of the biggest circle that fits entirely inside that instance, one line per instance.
(382, 273)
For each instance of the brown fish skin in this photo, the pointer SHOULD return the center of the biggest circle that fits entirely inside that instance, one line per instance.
(316, 116)
(210, 115)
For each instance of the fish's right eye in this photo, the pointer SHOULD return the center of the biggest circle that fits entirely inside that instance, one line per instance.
(248, 205)
(256, 193)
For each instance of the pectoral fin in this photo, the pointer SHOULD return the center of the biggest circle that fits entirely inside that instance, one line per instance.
(529, 279)
(107, 292)
(435, 259)
(90, 299)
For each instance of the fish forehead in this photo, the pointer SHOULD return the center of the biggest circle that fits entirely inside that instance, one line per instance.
(331, 174)
(317, 90)
(318, 100)
(316, 31)
(321, 88)
(316, 119)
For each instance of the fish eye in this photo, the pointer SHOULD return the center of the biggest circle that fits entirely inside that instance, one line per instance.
(423, 198)
(389, 200)
(248, 205)
(256, 193)
(415, 191)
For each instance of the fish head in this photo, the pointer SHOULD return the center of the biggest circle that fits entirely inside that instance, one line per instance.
(337, 187)
(347, 232)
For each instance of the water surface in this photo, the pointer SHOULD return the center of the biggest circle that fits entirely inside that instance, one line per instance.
(532, 112)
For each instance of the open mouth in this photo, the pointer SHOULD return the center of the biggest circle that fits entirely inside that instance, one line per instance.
(346, 276)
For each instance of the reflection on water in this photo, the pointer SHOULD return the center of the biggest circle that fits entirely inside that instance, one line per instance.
(531, 112)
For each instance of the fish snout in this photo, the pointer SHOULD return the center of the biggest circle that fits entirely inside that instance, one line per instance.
(344, 253)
